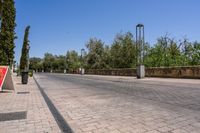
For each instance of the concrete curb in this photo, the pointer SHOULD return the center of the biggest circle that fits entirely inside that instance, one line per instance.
(63, 125)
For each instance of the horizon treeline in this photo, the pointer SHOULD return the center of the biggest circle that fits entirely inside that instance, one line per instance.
(166, 52)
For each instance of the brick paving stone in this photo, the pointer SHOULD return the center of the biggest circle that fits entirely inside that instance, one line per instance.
(39, 118)
(164, 129)
(117, 104)
(179, 131)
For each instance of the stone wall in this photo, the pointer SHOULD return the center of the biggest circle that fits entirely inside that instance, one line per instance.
(174, 72)
(165, 72)
(113, 72)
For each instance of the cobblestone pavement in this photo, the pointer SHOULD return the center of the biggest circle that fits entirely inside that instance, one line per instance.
(95, 104)
(26, 98)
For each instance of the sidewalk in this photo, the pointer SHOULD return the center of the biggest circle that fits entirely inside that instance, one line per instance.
(28, 109)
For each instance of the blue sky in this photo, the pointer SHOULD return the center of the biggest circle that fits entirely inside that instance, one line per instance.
(61, 25)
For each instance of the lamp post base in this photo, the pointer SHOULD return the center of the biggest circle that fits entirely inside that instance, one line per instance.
(65, 71)
(82, 71)
(140, 71)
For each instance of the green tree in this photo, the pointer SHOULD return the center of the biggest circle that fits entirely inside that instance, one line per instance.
(25, 50)
(187, 52)
(59, 63)
(1, 6)
(175, 56)
(62, 62)
(7, 34)
(123, 51)
(48, 62)
(196, 54)
(94, 58)
(73, 61)
(35, 63)
(106, 57)
(122, 54)
(166, 52)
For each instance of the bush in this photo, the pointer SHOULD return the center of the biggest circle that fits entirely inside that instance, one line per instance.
(30, 73)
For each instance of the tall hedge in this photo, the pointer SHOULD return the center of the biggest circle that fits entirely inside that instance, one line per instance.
(25, 50)
(7, 33)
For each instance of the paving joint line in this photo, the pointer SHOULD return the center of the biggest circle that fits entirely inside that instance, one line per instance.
(61, 122)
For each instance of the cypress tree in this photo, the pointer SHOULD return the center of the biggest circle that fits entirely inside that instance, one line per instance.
(7, 34)
(1, 5)
(25, 50)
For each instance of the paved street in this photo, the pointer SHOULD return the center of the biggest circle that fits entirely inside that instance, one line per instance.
(124, 104)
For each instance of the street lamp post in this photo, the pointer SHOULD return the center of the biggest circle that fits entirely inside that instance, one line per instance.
(82, 70)
(140, 50)
(65, 71)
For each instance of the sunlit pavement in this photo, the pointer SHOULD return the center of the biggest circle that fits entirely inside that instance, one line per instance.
(124, 104)
(25, 111)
